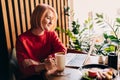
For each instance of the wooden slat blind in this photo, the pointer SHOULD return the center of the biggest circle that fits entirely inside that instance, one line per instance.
(27, 13)
(59, 17)
(16, 17)
(22, 10)
(32, 5)
(12, 22)
(6, 25)
(37, 2)
(66, 24)
(62, 19)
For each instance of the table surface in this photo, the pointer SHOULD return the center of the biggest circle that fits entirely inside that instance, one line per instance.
(70, 74)
(74, 73)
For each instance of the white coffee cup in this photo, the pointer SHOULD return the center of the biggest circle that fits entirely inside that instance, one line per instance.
(60, 60)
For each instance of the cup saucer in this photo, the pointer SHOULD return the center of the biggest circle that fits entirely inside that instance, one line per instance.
(57, 73)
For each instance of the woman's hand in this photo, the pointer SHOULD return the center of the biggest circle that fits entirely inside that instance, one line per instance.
(29, 62)
(37, 65)
(50, 65)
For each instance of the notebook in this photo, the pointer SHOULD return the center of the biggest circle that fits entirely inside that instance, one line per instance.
(75, 60)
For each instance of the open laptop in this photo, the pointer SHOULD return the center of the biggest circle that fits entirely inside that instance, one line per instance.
(77, 60)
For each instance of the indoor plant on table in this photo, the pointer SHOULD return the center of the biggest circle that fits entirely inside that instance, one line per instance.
(79, 38)
(111, 41)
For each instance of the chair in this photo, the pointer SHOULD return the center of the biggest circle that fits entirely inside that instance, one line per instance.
(14, 68)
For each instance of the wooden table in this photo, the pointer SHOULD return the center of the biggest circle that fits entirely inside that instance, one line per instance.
(73, 73)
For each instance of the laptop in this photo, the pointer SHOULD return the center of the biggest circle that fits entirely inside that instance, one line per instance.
(75, 60)
(78, 60)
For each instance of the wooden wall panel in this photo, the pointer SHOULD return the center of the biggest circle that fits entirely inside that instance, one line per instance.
(45, 1)
(62, 19)
(27, 13)
(66, 24)
(41, 1)
(59, 18)
(22, 15)
(37, 2)
(12, 22)
(50, 2)
(16, 16)
(54, 4)
(32, 5)
(6, 25)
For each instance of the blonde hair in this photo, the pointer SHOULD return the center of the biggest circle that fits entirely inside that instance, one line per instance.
(39, 13)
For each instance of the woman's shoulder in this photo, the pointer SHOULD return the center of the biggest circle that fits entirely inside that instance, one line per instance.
(52, 33)
(25, 34)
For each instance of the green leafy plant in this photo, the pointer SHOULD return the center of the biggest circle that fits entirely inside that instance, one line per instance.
(79, 36)
(76, 38)
(67, 11)
(111, 41)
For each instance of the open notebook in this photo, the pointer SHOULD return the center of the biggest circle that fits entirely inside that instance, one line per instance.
(75, 60)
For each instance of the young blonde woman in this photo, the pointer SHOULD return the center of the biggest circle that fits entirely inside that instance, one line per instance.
(36, 46)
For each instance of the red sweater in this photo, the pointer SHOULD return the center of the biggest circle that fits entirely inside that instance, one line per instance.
(30, 46)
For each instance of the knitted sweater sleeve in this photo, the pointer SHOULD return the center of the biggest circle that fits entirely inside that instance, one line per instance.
(21, 55)
(57, 45)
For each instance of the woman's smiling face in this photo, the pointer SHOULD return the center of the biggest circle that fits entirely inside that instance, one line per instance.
(48, 21)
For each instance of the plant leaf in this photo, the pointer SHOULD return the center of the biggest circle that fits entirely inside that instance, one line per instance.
(118, 20)
(91, 26)
(99, 15)
(75, 31)
(105, 35)
(99, 21)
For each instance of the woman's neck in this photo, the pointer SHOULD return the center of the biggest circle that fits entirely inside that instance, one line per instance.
(37, 31)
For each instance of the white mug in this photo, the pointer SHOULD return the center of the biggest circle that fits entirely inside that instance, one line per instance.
(60, 60)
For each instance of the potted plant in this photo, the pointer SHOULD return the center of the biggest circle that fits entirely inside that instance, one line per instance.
(79, 38)
(111, 41)
(82, 36)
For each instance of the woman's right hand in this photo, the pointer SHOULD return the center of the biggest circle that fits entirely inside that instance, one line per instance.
(29, 62)
(37, 65)
(50, 65)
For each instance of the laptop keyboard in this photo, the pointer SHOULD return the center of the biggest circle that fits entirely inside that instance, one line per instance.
(75, 60)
